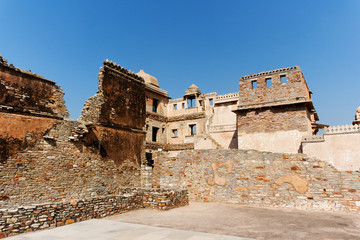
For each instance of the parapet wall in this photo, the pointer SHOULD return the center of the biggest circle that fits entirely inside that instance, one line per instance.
(260, 179)
(50, 215)
(338, 146)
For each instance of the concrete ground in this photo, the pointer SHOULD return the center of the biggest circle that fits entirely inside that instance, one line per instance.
(251, 222)
(209, 221)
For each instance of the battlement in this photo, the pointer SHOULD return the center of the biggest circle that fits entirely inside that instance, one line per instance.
(118, 68)
(342, 129)
(227, 96)
(268, 73)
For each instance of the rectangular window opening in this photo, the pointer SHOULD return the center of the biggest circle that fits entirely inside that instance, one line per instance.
(200, 102)
(155, 105)
(154, 133)
(283, 79)
(254, 84)
(183, 105)
(175, 106)
(191, 102)
(211, 101)
(175, 132)
(192, 129)
(268, 82)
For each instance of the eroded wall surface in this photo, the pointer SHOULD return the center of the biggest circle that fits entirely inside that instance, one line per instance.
(46, 158)
(259, 178)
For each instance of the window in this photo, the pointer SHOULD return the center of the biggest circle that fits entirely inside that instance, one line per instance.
(254, 84)
(154, 133)
(183, 105)
(150, 161)
(175, 106)
(200, 102)
(175, 133)
(155, 105)
(268, 82)
(283, 79)
(192, 129)
(191, 102)
(211, 101)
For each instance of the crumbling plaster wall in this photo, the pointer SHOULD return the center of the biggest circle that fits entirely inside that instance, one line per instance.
(53, 158)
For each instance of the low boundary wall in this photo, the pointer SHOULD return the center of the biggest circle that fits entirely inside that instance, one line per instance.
(50, 215)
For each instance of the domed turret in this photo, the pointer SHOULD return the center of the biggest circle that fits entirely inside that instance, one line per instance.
(192, 90)
(148, 78)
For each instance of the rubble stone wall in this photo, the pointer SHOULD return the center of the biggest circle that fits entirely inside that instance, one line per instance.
(281, 118)
(52, 159)
(259, 179)
(50, 215)
(59, 167)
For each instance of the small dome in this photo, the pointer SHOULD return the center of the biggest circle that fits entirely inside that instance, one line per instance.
(193, 89)
(148, 78)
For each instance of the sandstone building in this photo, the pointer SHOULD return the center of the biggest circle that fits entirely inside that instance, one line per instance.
(271, 112)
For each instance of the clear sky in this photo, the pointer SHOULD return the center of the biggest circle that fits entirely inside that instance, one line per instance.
(209, 43)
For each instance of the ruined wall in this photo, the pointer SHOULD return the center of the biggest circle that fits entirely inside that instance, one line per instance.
(52, 159)
(338, 146)
(60, 166)
(115, 116)
(23, 91)
(259, 178)
(29, 106)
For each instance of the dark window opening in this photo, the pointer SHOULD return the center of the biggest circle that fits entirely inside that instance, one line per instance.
(268, 82)
(149, 159)
(154, 133)
(253, 84)
(183, 105)
(175, 132)
(283, 79)
(191, 102)
(211, 101)
(175, 106)
(155, 105)
(200, 102)
(192, 129)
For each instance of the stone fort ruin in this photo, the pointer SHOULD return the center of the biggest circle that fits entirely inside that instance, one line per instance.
(134, 147)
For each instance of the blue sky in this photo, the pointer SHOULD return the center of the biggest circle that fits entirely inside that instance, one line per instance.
(209, 43)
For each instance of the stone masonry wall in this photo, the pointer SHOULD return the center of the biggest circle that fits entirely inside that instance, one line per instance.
(49, 215)
(281, 118)
(294, 89)
(24, 91)
(259, 178)
(60, 166)
(48, 159)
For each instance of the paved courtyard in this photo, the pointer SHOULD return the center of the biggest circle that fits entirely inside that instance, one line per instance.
(210, 221)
